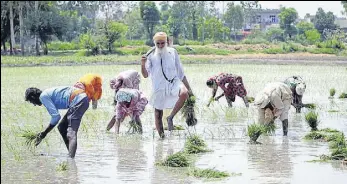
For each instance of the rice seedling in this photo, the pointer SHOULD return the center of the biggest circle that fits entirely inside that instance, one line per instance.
(311, 119)
(332, 92)
(207, 173)
(196, 140)
(194, 144)
(343, 95)
(62, 166)
(338, 141)
(254, 131)
(339, 154)
(269, 128)
(250, 99)
(333, 111)
(188, 111)
(30, 136)
(176, 127)
(330, 130)
(315, 135)
(134, 127)
(179, 159)
(310, 105)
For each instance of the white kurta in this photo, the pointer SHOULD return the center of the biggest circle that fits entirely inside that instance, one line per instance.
(165, 94)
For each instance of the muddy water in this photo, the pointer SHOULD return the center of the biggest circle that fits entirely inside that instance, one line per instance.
(104, 158)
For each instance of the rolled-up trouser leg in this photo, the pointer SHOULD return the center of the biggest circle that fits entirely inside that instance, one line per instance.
(138, 124)
(229, 100)
(62, 127)
(285, 127)
(284, 116)
(74, 116)
(261, 116)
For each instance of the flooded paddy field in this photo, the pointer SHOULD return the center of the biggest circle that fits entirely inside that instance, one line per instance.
(103, 157)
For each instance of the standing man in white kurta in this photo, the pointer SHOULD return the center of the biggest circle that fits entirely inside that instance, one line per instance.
(164, 67)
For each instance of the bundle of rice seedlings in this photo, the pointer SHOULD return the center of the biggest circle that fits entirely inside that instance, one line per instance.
(338, 141)
(310, 105)
(196, 140)
(332, 92)
(329, 130)
(176, 127)
(270, 128)
(179, 159)
(62, 166)
(311, 119)
(30, 137)
(254, 131)
(339, 154)
(250, 99)
(188, 111)
(194, 144)
(343, 95)
(207, 173)
(315, 135)
(133, 127)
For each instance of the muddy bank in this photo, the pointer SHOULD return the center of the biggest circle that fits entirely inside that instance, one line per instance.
(277, 59)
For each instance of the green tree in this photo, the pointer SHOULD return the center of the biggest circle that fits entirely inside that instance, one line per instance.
(165, 13)
(213, 29)
(304, 26)
(86, 41)
(250, 8)
(47, 22)
(177, 19)
(287, 18)
(5, 23)
(344, 4)
(275, 33)
(234, 17)
(312, 36)
(133, 21)
(324, 20)
(114, 31)
(150, 16)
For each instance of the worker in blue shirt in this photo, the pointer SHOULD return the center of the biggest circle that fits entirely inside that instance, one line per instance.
(71, 98)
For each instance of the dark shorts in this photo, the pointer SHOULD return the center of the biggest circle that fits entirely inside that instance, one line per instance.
(74, 115)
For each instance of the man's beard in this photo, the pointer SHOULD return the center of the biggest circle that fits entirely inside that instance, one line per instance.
(160, 51)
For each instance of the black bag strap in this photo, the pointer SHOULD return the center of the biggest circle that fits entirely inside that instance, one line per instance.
(162, 69)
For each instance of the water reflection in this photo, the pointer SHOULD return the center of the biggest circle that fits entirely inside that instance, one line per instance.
(160, 174)
(271, 160)
(132, 159)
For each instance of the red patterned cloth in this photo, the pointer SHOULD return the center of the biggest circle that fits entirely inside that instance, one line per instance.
(232, 85)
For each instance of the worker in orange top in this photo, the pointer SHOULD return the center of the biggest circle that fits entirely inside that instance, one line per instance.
(92, 85)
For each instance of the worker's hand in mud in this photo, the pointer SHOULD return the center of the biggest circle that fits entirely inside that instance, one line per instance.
(39, 137)
(143, 59)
